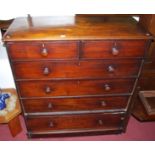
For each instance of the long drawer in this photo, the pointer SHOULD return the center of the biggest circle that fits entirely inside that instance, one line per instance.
(46, 50)
(76, 69)
(113, 49)
(74, 122)
(74, 104)
(74, 87)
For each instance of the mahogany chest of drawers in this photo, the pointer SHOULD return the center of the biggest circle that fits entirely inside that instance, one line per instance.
(76, 75)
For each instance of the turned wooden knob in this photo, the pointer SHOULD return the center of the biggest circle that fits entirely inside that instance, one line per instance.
(8, 36)
(47, 90)
(103, 103)
(100, 122)
(107, 87)
(111, 69)
(51, 124)
(122, 118)
(50, 106)
(46, 71)
(115, 51)
(44, 52)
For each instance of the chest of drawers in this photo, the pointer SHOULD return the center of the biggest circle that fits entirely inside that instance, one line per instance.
(76, 78)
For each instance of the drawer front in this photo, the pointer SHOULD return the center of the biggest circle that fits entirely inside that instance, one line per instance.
(74, 104)
(74, 122)
(76, 69)
(113, 49)
(74, 88)
(50, 50)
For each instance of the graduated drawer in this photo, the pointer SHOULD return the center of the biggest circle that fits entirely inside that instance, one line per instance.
(113, 49)
(74, 122)
(74, 88)
(47, 50)
(76, 69)
(74, 104)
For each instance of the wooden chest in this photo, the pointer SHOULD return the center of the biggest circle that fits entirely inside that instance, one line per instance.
(76, 75)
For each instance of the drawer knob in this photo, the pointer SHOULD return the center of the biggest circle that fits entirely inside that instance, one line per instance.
(107, 87)
(115, 51)
(122, 118)
(51, 124)
(47, 89)
(111, 69)
(100, 122)
(44, 52)
(103, 103)
(50, 106)
(46, 71)
(8, 36)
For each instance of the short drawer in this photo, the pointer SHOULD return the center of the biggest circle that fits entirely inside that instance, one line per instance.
(76, 69)
(74, 88)
(74, 104)
(74, 122)
(113, 49)
(47, 50)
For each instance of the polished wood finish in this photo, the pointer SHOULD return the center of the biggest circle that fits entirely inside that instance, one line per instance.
(15, 126)
(74, 88)
(75, 104)
(69, 50)
(113, 49)
(74, 28)
(74, 122)
(76, 75)
(76, 69)
(44, 50)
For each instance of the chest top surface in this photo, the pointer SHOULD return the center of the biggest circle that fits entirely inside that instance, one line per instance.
(74, 28)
